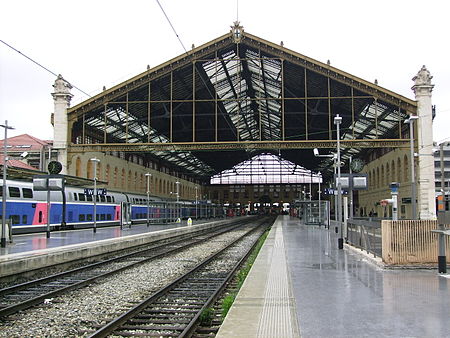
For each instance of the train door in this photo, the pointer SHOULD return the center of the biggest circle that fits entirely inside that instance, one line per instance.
(125, 218)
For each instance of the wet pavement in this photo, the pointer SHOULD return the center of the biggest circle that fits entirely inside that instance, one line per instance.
(340, 293)
(38, 241)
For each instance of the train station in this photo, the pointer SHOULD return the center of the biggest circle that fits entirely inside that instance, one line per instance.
(342, 174)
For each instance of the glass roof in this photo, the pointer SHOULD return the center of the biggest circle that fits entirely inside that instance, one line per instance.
(136, 131)
(250, 100)
(266, 169)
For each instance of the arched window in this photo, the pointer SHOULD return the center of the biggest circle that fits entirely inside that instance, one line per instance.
(382, 177)
(116, 177)
(130, 178)
(378, 178)
(78, 172)
(122, 179)
(405, 169)
(393, 171)
(108, 174)
(99, 171)
(399, 170)
(89, 170)
(388, 174)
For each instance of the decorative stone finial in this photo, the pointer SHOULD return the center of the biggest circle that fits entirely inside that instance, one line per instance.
(328, 62)
(62, 89)
(282, 44)
(423, 77)
(376, 82)
(237, 31)
(422, 82)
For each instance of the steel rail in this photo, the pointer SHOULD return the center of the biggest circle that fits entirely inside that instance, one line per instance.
(7, 310)
(115, 324)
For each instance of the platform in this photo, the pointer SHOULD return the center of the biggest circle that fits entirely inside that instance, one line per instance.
(34, 251)
(302, 285)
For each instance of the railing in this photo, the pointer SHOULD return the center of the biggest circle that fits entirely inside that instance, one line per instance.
(410, 242)
(365, 234)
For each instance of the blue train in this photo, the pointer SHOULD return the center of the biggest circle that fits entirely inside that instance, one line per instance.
(27, 208)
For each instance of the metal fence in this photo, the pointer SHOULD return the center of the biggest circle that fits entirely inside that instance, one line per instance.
(365, 234)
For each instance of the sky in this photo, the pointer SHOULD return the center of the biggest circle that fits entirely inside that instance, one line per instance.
(102, 43)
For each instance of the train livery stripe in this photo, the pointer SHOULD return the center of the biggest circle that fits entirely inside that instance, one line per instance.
(117, 212)
(41, 209)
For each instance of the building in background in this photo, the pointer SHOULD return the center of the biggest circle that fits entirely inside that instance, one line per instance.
(28, 152)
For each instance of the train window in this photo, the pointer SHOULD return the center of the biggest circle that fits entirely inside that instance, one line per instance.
(81, 217)
(103, 217)
(97, 217)
(81, 197)
(89, 217)
(89, 198)
(40, 217)
(27, 193)
(108, 217)
(24, 219)
(113, 199)
(108, 199)
(15, 219)
(103, 199)
(14, 192)
(75, 196)
(1, 191)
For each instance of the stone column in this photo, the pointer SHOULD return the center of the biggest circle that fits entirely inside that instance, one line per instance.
(425, 173)
(61, 97)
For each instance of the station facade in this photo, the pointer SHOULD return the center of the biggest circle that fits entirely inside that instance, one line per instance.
(242, 94)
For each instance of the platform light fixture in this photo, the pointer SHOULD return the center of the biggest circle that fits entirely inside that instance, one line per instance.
(5, 157)
(410, 121)
(95, 161)
(148, 175)
(337, 122)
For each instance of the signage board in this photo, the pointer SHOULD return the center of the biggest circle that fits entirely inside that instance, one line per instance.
(90, 191)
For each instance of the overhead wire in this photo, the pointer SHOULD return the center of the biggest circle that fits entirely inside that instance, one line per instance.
(170, 23)
(40, 65)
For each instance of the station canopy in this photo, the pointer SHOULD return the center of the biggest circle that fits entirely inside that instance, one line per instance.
(236, 97)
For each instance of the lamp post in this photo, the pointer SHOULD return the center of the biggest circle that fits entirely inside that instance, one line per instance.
(95, 160)
(5, 146)
(178, 199)
(148, 175)
(319, 192)
(337, 122)
(413, 174)
(196, 202)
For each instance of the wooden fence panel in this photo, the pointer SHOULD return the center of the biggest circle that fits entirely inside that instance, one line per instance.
(410, 242)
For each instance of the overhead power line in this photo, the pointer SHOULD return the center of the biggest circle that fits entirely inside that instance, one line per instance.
(170, 23)
(38, 64)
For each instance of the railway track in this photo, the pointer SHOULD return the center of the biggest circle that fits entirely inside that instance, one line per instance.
(22, 296)
(176, 309)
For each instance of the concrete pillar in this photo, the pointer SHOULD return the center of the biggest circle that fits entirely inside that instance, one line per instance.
(61, 97)
(425, 174)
